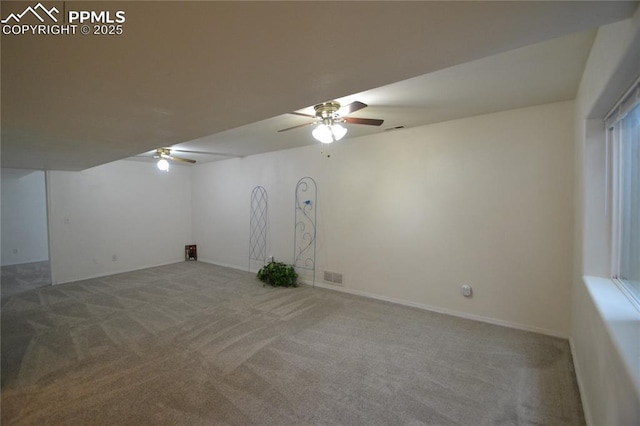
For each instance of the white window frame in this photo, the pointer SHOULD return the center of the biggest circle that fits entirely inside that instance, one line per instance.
(613, 186)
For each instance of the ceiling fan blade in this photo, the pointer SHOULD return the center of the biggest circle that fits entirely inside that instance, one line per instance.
(295, 127)
(352, 107)
(367, 121)
(188, 151)
(184, 160)
(303, 115)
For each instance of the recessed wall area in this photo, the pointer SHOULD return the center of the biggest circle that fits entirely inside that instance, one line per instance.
(412, 215)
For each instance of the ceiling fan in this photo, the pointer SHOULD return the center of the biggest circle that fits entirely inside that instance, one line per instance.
(328, 117)
(164, 155)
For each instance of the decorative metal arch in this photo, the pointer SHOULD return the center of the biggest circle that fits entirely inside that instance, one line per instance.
(258, 222)
(304, 245)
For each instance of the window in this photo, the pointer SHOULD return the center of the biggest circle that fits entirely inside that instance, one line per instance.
(623, 131)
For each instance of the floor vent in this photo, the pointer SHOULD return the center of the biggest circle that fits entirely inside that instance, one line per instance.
(333, 277)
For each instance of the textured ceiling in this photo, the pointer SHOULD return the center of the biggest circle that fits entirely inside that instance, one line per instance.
(183, 71)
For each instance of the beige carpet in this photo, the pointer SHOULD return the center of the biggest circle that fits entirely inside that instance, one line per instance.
(16, 279)
(196, 344)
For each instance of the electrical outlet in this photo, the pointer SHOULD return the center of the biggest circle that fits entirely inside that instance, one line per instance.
(114, 257)
(466, 290)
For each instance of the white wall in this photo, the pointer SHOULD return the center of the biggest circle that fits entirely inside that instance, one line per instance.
(411, 215)
(126, 208)
(24, 217)
(605, 331)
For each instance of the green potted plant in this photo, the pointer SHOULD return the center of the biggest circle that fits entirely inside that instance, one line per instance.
(278, 274)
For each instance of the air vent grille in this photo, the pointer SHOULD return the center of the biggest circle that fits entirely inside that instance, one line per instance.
(333, 277)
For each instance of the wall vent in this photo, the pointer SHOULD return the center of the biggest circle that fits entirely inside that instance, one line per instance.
(333, 277)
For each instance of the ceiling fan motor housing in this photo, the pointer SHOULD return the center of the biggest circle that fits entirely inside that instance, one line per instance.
(327, 109)
(162, 152)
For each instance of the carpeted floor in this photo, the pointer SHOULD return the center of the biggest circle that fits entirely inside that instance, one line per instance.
(197, 344)
(16, 279)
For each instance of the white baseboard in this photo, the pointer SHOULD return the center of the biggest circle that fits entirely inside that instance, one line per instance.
(465, 315)
(116, 272)
(226, 265)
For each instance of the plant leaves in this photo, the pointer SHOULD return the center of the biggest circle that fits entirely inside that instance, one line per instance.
(278, 274)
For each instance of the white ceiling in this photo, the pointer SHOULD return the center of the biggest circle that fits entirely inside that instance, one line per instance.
(542, 73)
(219, 76)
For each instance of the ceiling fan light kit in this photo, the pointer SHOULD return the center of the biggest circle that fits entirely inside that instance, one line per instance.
(327, 133)
(163, 165)
(328, 130)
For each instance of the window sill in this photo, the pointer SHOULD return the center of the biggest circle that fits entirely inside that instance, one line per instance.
(622, 320)
(631, 294)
